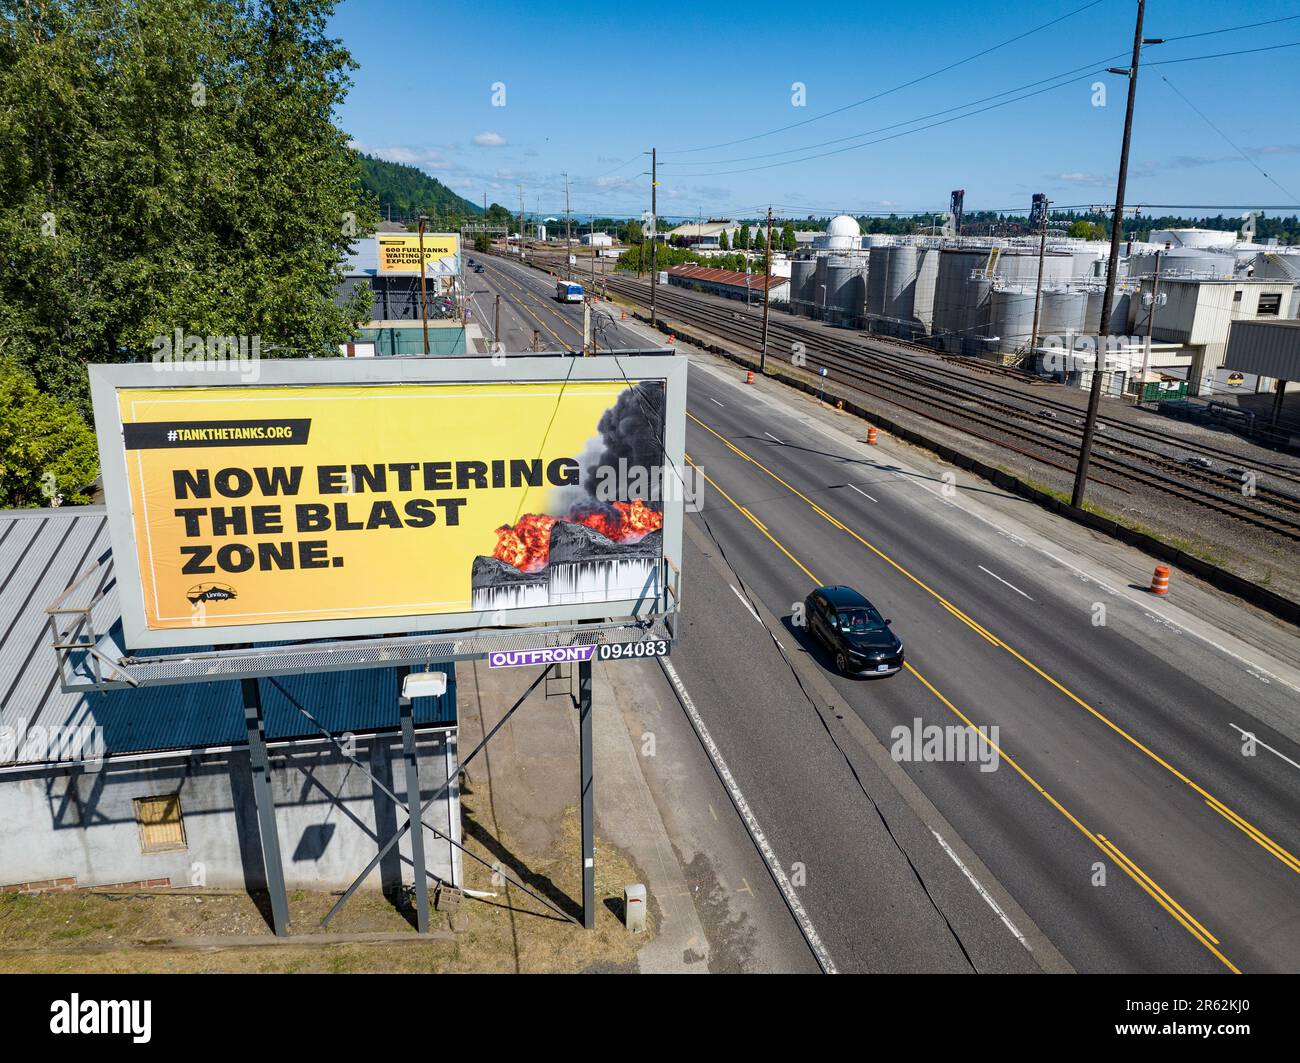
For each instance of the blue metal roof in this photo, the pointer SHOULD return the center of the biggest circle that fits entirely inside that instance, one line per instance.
(42, 552)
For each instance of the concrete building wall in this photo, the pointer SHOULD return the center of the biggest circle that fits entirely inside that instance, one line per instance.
(71, 823)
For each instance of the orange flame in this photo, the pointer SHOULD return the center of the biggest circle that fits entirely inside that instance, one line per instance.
(526, 544)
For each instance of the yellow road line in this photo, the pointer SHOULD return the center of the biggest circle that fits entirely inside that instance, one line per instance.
(1254, 833)
(1124, 860)
(528, 310)
(1242, 825)
(1143, 880)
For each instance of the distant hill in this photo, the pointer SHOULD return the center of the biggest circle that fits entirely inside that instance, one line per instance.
(405, 192)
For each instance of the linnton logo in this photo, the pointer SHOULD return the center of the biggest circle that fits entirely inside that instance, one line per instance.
(77, 1016)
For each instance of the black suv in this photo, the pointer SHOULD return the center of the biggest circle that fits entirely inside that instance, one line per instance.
(854, 631)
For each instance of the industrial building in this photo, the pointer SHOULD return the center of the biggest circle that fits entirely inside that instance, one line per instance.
(730, 283)
(597, 240)
(704, 235)
(151, 787)
(1176, 297)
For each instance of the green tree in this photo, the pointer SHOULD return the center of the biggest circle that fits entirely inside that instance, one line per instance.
(1086, 230)
(742, 237)
(172, 164)
(723, 243)
(47, 452)
(789, 243)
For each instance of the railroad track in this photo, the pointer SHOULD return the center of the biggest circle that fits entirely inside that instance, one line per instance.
(914, 378)
(911, 380)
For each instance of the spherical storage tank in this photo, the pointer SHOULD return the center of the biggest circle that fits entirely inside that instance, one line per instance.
(842, 234)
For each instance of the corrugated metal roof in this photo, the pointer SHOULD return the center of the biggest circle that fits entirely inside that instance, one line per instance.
(728, 277)
(42, 552)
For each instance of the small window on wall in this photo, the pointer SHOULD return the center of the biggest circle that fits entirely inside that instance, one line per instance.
(159, 820)
(1270, 304)
(1236, 296)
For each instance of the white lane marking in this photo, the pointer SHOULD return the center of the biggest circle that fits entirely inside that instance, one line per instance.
(862, 492)
(1251, 736)
(712, 399)
(743, 602)
(1011, 585)
(848, 451)
(981, 890)
(771, 436)
(778, 874)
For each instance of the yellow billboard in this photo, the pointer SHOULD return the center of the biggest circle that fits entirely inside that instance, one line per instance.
(400, 253)
(263, 505)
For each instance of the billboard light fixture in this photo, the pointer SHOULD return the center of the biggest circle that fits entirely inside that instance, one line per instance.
(424, 685)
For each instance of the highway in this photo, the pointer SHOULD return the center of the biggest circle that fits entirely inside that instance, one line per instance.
(1121, 828)
(1116, 749)
(528, 306)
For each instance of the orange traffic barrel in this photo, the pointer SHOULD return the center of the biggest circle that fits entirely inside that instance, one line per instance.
(672, 338)
(871, 434)
(749, 377)
(1160, 581)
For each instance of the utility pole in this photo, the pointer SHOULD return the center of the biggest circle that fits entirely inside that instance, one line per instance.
(1038, 292)
(654, 232)
(424, 294)
(1151, 324)
(1112, 269)
(767, 295)
(568, 236)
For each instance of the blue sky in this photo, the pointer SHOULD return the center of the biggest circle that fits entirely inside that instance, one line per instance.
(589, 86)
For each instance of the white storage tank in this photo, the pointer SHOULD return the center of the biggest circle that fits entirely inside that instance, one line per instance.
(1011, 319)
(802, 274)
(1063, 312)
(961, 299)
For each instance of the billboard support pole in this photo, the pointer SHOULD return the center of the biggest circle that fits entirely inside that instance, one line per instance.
(588, 803)
(260, 769)
(413, 808)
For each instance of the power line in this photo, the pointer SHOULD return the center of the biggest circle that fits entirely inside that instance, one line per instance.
(991, 107)
(1090, 67)
(1225, 136)
(896, 88)
(1223, 55)
(1231, 29)
(895, 136)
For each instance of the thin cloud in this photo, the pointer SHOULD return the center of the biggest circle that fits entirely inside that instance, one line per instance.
(489, 140)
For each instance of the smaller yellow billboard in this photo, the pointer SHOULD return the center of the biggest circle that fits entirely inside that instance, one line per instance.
(400, 253)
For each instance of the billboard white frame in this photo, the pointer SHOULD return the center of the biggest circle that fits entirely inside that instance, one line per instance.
(107, 380)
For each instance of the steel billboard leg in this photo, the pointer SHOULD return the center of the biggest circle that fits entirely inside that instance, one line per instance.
(260, 768)
(588, 804)
(413, 806)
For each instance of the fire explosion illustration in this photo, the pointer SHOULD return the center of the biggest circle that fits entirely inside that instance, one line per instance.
(526, 544)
